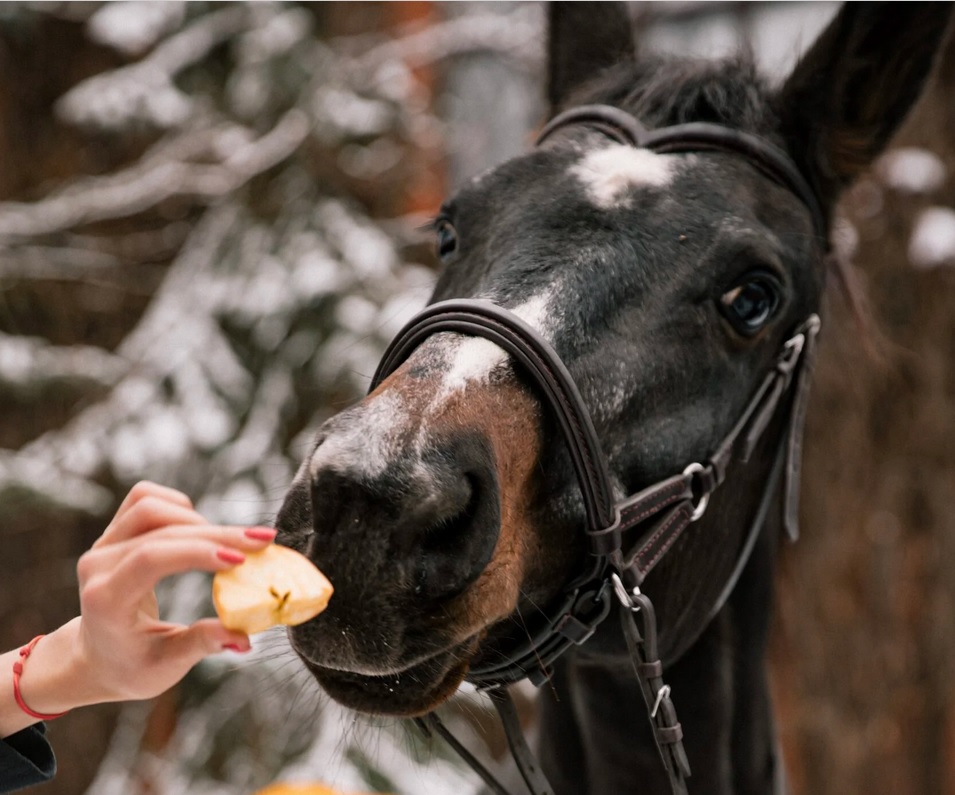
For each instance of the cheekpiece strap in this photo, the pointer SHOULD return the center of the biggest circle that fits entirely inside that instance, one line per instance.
(797, 424)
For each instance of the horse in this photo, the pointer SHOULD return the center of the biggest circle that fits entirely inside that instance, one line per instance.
(601, 410)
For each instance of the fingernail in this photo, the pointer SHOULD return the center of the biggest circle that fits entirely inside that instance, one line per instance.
(236, 648)
(230, 556)
(261, 533)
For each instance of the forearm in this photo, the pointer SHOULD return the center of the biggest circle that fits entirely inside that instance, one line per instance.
(53, 680)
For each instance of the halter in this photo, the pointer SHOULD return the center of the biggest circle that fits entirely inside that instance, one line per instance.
(628, 537)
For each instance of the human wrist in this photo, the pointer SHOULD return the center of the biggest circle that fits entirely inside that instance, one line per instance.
(56, 676)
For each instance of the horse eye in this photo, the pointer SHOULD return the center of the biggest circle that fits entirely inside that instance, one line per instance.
(751, 305)
(447, 238)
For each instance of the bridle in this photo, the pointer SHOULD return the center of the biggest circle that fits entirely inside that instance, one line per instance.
(628, 537)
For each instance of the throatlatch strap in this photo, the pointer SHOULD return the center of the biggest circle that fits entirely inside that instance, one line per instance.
(797, 424)
(431, 723)
(526, 762)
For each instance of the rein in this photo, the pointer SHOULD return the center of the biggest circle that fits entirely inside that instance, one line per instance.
(628, 537)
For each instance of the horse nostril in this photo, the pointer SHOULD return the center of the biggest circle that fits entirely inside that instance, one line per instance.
(427, 523)
(455, 549)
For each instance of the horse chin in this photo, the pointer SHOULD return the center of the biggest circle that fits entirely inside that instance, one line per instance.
(413, 691)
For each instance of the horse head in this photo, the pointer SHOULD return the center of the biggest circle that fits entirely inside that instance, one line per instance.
(444, 506)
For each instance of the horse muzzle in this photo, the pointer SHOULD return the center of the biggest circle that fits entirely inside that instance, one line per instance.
(401, 504)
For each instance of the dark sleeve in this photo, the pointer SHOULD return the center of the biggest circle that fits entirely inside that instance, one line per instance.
(26, 758)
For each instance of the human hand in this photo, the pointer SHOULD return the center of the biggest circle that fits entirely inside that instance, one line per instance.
(119, 648)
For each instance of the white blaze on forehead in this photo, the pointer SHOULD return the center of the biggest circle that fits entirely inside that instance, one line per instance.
(368, 442)
(607, 174)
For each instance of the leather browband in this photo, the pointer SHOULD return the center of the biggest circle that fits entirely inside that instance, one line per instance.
(694, 137)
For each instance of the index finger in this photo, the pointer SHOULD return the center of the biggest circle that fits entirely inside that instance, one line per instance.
(146, 514)
(146, 488)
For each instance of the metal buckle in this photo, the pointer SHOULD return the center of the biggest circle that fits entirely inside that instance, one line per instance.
(622, 595)
(792, 350)
(662, 693)
(700, 508)
(793, 347)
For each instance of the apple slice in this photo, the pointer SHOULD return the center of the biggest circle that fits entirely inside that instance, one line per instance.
(274, 586)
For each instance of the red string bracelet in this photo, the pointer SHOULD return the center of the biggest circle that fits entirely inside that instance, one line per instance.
(17, 670)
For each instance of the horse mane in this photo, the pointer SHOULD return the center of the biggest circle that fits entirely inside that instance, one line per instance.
(666, 91)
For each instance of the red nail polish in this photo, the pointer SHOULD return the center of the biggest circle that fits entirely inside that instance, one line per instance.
(261, 533)
(236, 648)
(230, 556)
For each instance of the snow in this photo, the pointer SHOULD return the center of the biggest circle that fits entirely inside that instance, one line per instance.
(912, 170)
(351, 115)
(280, 33)
(133, 27)
(356, 314)
(933, 239)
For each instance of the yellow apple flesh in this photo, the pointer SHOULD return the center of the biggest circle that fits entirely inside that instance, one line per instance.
(275, 586)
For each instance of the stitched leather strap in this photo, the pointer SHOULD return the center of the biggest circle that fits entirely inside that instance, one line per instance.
(636, 607)
(526, 761)
(569, 623)
(797, 424)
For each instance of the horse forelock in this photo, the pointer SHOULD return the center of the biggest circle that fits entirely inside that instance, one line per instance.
(662, 92)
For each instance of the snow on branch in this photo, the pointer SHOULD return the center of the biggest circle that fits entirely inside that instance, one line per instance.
(33, 362)
(54, 262)
(144, 92)
(130, 422)
(170, 170)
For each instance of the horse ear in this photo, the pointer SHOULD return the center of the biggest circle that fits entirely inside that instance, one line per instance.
(855, 86)
(584, 39)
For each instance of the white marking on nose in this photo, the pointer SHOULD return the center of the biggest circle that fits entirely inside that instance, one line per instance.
(607, 174)
(368, 442)
(474, 359)
(377, 432)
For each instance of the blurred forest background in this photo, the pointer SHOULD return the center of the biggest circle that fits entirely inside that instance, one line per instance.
(210, 225)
